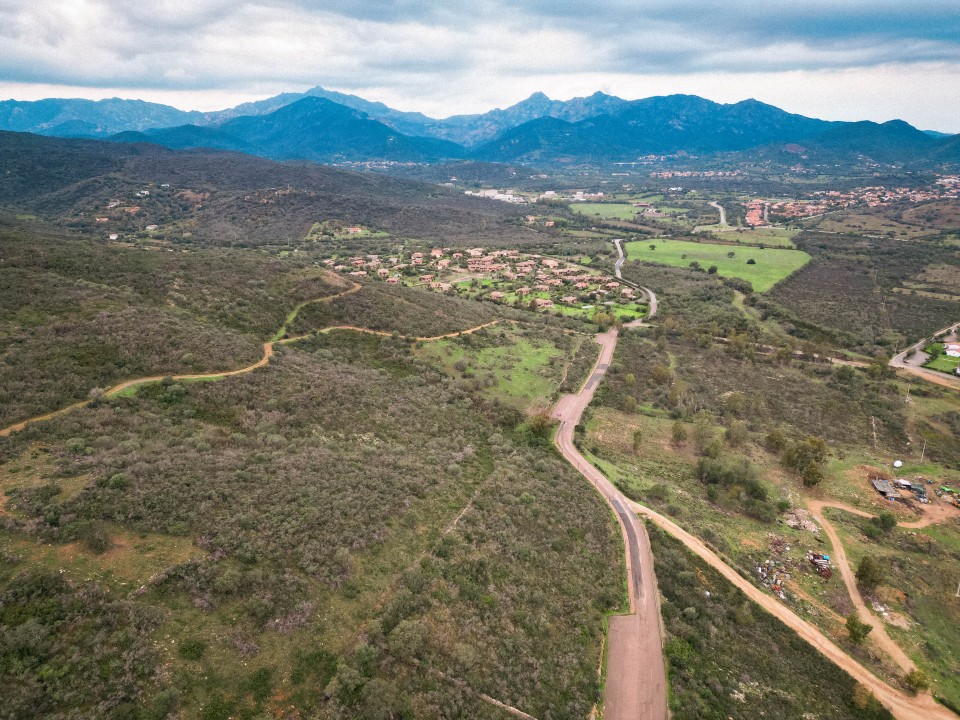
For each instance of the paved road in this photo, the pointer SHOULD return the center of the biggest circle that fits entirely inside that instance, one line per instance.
(902, 362)
(723, 213)
(651, 296)
(636, 686)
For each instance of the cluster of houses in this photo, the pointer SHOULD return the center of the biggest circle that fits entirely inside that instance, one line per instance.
(543, 281)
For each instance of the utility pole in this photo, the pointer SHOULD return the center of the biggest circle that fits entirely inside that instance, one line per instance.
(921, 458)
(958, 589)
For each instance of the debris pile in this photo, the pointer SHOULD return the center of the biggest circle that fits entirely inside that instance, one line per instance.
(799, 519)
(773, 572)
(821, 563)
(881, 610)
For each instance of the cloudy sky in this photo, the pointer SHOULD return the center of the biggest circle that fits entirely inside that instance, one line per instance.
(846, 59)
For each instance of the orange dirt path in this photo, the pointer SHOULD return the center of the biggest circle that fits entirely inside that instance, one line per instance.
(263, 361)
(903, 706)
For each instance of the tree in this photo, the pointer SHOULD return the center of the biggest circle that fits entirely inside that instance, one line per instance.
(885, 521)
(731, 254)
(751, 261)
(661, 374)
(870, 573)
(603, 320)
(630, 379)
(653, 247)
(540, 424)
(775, 442)
(679, 433)
(857, 629)
(637, 439)
(712, 270)
(703, 430)
(737, 434)
(812, 475)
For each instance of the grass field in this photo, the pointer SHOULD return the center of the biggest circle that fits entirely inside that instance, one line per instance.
(772, 264)
(520, 371)
(618, 211)
(943, 363)
(773, 236)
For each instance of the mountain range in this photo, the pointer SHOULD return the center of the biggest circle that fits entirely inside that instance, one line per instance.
(327, 126)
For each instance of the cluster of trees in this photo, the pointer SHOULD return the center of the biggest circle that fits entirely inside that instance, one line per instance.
(290, 476)
(72, 650)
(75, 314)
(803, 399)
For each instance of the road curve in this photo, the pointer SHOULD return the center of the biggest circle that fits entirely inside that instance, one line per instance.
(651, 296)
(723, 213)
(879, 636)
(636, 687)
(899, 362)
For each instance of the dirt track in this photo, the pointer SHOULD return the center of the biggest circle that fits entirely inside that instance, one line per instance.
(264, 360)
(878, 636)
(903, 706)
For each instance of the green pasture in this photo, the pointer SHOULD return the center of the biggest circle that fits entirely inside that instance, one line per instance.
(770, 264)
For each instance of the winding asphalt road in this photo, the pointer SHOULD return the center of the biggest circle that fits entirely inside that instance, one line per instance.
(651, 296)
(723, 212)
(636, 687)
(900, 362)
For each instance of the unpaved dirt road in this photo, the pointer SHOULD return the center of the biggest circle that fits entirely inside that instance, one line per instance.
(903, 706)
(878, 636)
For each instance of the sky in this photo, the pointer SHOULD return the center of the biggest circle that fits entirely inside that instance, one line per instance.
(840, 60)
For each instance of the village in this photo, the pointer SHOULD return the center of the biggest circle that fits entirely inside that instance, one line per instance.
(522, 280)
(759, 212)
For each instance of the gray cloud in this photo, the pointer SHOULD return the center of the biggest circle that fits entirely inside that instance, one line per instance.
(487, 50)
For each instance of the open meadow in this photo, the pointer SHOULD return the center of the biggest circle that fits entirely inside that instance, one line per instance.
(768, 267)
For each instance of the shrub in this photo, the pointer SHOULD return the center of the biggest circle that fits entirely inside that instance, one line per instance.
(192, 649)
(96, 538)
(917, 680)
(857, 629)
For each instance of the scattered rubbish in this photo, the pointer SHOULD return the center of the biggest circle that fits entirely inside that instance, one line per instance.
(898, 463)
(822, 564)
(881, 609)
(799, 519)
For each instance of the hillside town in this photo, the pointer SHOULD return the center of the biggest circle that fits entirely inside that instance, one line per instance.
(504, 276)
